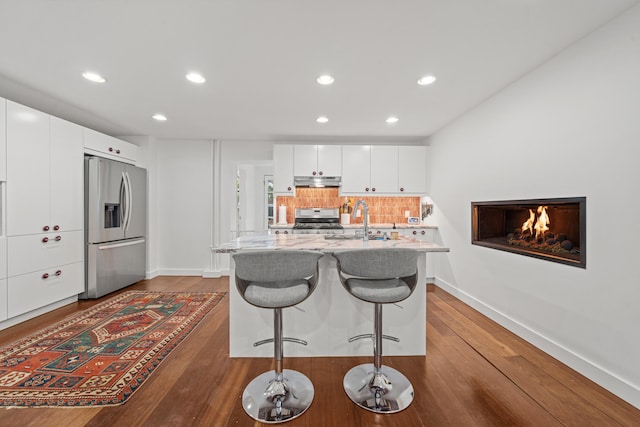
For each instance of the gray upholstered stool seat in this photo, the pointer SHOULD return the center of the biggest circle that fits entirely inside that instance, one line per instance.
(378, 276)
(275, 280)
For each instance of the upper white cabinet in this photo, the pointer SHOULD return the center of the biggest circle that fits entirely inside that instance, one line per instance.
(384, 169)
(317, 160)
(44, 173)
(3, 140)
(356, 161)
(107, 146)
(412, 169)
(283, 169)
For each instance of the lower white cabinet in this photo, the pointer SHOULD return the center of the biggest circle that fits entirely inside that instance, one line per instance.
(39, 288)
(3, 300)
(41, 251)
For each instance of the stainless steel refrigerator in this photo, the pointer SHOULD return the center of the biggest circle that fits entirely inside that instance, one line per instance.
(115, 225)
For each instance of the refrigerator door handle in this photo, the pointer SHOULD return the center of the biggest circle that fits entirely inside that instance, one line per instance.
(120, 245)
(123, 202)
(129, 200)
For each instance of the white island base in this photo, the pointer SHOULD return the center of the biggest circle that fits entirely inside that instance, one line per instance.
(328, 318)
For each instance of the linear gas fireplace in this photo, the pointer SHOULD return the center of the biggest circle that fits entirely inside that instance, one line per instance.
(550, 229)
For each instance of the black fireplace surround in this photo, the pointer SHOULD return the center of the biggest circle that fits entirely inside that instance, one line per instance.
(549, 229)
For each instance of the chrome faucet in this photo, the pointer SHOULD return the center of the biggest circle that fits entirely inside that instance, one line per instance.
(365, 212)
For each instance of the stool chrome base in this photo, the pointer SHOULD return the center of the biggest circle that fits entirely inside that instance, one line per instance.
(270, 401)
(387, 391)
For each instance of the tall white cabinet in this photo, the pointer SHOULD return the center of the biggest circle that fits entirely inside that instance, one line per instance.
(44, 208)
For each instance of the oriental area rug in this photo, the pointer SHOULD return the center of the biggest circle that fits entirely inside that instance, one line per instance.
(102, 355)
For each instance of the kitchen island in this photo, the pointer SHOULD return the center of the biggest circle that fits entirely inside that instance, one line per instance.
(330, 316)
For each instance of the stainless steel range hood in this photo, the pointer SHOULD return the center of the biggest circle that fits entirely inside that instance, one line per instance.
(317, 181)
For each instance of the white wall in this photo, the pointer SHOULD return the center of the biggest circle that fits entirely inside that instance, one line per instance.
(181, 217)
(569, 128)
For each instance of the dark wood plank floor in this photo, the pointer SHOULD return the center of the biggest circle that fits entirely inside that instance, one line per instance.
(475, 374)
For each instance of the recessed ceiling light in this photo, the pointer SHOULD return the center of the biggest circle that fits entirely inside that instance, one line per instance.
(94, 77)
(392, 119)
(426, 80)
(159, 117)
(322, 119)
(195, 78)
(325, 79)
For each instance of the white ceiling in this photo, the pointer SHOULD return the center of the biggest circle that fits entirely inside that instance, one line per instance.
(261, 59)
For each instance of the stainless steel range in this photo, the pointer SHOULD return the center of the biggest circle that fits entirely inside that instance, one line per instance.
(317, 221)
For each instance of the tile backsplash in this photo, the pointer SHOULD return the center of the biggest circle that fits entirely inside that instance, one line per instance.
(381, 209)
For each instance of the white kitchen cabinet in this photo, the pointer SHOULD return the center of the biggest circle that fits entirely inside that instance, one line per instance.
(45, 213)
(384, 169)
(102, 145)
(3, 139)
(44, 173)
(412, 171)
(27, 170)
(67, 175)
(317, 160)
(356, 168)
(39, 288)
(283, 169)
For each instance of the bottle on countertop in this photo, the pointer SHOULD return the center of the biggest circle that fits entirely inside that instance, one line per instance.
(394, 225)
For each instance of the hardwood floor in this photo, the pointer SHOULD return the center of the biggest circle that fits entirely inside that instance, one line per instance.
(475, 374)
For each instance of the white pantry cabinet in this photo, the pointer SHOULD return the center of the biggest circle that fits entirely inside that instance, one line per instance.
(45, 212)
(317, 160)
(109, 147)
(356, 169)
(3, 140)
(283, 169)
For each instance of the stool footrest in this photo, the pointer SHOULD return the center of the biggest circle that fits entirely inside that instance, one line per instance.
(372, 336)
(270, 340)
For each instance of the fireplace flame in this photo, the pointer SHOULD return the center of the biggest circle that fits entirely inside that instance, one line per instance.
(528, 224)
(542, 222)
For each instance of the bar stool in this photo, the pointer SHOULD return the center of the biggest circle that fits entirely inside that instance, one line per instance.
(378, 276)
(275, 280)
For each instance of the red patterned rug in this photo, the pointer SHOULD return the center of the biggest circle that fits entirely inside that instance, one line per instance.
(102, 355)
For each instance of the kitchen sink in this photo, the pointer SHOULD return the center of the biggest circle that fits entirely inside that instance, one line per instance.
(342, 237)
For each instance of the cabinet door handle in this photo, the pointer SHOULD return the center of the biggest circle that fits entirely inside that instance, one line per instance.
(401, 188)
(45, 276)
(415, 232)
(286, 232)
(373, 189)
(45, 228)
(56, 227)
(58, 238)
(320, 173)
(58, 272)
(111, 149)
(288, 188)
(117, 151)
(45, 239)
(277, 231)
(313, 173)
(422, 232)
(366, 189)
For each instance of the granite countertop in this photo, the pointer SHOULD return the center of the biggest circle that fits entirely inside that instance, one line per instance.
(317, 242)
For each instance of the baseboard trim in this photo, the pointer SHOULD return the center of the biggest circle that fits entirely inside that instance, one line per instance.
(616, 385)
